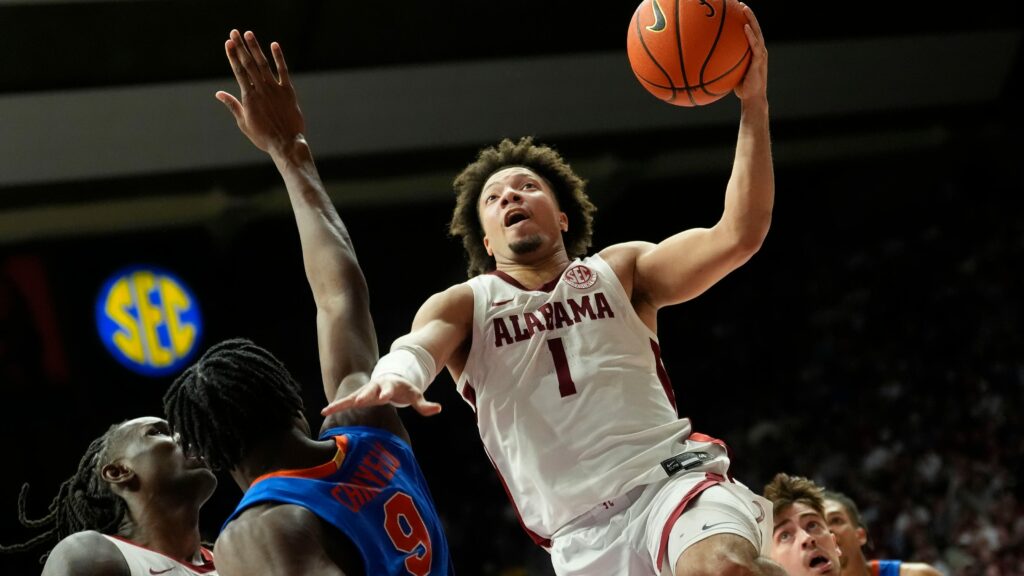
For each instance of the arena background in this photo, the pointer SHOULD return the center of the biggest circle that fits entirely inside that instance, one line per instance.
(874, 343)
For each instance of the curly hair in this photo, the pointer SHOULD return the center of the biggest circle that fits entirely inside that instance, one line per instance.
(235, 396)
(546, 163)
(83, 502)
(785, 490)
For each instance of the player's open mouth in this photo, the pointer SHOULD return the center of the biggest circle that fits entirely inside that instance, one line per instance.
(514, 217)
(821, 564)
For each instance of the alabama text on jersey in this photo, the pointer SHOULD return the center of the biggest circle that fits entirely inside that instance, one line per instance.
(573, 403)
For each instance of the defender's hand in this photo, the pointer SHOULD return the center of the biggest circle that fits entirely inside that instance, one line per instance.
(268, 112)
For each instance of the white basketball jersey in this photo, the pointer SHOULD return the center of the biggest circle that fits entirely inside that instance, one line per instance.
(572, 401)
(145, 562)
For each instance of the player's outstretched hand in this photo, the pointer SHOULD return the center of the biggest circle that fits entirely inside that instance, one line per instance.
(267, 110)
(383, 390)
(755, 81)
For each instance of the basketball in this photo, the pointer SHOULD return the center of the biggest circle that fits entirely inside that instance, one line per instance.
(688, 52)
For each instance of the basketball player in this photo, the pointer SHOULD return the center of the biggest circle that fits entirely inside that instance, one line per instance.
(354, 501)
(844, 521)
(131, 508)
(801, 541)
(559, 357)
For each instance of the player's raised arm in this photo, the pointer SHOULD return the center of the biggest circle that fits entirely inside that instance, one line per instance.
(269, 115)
(688, 263)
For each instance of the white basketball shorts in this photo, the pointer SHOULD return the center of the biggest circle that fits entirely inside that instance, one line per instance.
(643, 532)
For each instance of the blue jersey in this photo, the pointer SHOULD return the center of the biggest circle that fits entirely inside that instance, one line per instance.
(373, 491)
(885, 567)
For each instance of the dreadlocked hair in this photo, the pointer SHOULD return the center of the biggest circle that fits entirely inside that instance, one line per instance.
(545, 162)
(83, 502)
(236, 395)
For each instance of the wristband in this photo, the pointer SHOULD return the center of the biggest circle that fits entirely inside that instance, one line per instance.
(410, 362)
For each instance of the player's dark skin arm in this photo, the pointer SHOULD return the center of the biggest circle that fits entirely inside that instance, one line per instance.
(85, 554)
(268, 114)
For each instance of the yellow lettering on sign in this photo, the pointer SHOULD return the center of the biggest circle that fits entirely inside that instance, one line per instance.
(127, 339)
(150, 317)
(175, 302)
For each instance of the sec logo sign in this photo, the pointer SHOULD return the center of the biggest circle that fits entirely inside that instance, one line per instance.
(148, 320)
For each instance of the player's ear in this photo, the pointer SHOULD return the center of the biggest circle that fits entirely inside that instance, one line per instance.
(563, 222)
(862, 536)
(487, 246)
(117, 473)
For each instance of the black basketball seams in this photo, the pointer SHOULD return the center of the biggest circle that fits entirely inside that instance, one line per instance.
(643, 42)
(682, 61)
(703, 86)
(711, 52)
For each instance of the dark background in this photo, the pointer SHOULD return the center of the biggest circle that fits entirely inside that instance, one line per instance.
(872, 344)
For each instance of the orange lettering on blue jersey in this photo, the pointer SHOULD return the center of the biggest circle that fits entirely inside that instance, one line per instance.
(380, 461)
(353, 496)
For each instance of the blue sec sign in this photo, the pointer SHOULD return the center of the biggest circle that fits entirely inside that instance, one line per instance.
(148, 320)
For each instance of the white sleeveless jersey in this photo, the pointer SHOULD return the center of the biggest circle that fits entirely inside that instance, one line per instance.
(145, 562)
(572, 401)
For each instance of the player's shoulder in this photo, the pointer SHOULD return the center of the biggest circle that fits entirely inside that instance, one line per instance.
(454, 292)
(458, 297)
(266, 526)
(622, 258)
(631, 249)
(270, 515)
(85, 553)
(918, 569)
(271, 538)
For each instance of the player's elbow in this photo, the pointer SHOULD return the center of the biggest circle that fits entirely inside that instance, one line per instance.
(749, 237)
(745, 246)
(339, 298)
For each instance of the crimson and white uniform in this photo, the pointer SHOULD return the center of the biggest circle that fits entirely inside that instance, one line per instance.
(572, 401)
(145, 562)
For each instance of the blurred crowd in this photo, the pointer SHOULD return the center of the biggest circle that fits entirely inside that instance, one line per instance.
(918, 374)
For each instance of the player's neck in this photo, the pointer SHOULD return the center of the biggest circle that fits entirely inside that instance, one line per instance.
(171, 531)
(292, 451)
(533, 274)
(857, 566)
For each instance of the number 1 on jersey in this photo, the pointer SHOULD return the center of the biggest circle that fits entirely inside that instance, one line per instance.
(566, 387)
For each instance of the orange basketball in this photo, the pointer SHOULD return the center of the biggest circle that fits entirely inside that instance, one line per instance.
(688, 52)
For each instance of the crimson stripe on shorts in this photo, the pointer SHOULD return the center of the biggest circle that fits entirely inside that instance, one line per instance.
(709, 481)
